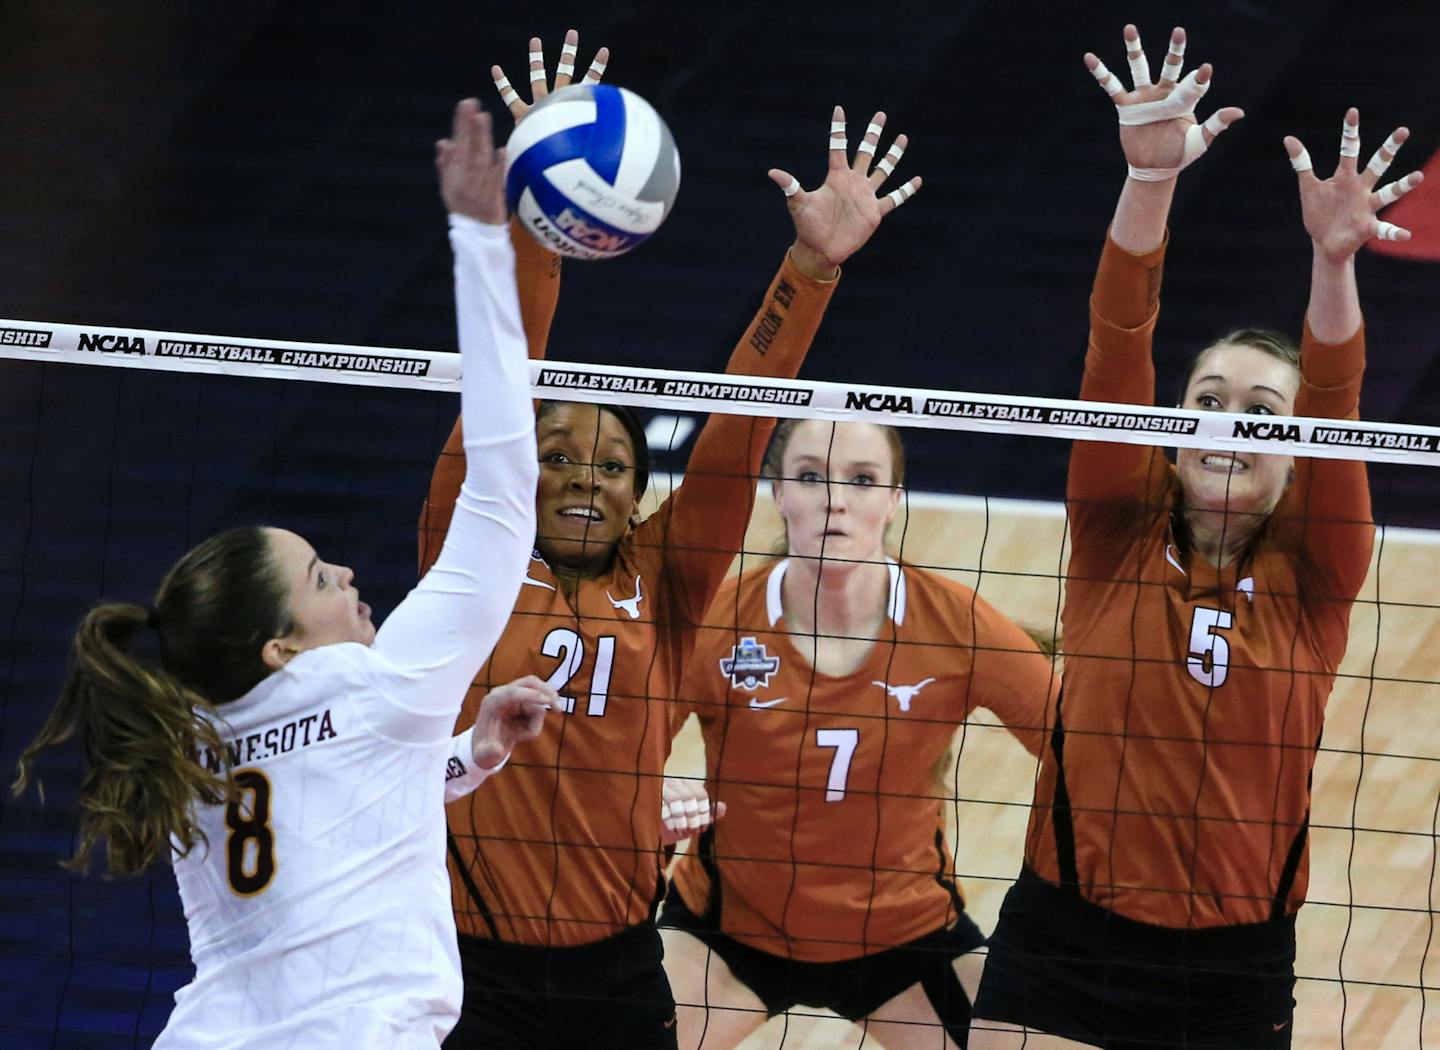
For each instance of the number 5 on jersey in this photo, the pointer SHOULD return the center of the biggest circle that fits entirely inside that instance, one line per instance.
(1209, 659)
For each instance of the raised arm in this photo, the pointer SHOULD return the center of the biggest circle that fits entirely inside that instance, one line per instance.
(441, 634)
(706, 520)
(1159, 138)
(1339, 215)
(538, 269)
(537, 275)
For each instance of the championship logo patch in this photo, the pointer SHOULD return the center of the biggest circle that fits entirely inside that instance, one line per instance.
(749, 666)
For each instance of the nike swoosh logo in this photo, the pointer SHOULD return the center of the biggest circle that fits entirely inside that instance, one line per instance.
(531, 582)
(767, 703)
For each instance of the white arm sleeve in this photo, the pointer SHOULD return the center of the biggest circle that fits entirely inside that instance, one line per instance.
(439, 637)
(462, 775)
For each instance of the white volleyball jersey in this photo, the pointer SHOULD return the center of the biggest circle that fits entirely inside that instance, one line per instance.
(319, 912)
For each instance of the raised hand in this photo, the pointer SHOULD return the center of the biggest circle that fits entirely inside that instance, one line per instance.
(472, 170)
(1158, 131)
(685, 810)
(539, 86)
(1339, 212)
(510, 715)
(834, 221)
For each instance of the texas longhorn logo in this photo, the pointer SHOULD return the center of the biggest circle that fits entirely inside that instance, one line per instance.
(630, 605)
(904, 693)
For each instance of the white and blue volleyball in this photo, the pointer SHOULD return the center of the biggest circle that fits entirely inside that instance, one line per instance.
(592, 171)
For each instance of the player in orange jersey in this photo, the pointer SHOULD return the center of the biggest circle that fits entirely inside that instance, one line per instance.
(556, 881)
(828, 685)
(1206, 612)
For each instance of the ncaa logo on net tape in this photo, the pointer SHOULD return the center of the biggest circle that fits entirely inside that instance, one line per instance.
(749, 666)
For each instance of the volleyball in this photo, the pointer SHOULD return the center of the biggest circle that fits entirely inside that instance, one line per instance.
(592, 171)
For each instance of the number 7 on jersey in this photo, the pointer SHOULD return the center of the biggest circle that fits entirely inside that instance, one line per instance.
(844, 741)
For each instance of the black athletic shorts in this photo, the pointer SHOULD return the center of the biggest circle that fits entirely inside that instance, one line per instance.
(1062, 965)
(610, 995)
(853, 988)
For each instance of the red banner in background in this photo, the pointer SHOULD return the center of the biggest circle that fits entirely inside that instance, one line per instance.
(1418, 212)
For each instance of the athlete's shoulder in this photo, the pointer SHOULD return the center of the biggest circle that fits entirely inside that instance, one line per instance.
(645, 545)
(328, 670)
(742, 601)
(754, 584)
(932, 586)
(925, 603)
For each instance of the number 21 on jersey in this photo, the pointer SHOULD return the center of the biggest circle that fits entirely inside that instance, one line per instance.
(569, 648)
(1209, 659)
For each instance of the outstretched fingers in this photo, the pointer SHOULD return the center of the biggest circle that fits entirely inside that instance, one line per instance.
(1300, 159)
(886, 167)
(1381, 159)
(508, 94)
(1175, 59)
(788, 183)
(1198, 137)
(900, 195)
(869, 142)
(1192, 89)
(596, 72)
(1392, 192)
(1107, 80)
(565, 68)
(1349, 140)
(1218, 121)
(1388, 231)
(538, 86)
(1135, 55)
(839, 145)
(1179, 102)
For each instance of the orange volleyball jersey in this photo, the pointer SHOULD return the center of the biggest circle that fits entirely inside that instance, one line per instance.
(1176, 789)
(563, 847)
(833, 845)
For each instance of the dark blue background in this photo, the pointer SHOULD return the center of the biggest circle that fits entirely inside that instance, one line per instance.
(264, 170)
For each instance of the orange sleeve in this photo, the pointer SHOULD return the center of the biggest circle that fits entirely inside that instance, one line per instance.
(704, 691)
(537, 274)
(707, 515)
(1124, 306)
(1332, 496)
(1011, 677)
(690, 697)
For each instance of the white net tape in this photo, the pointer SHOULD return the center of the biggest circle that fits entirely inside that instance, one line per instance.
(704, 392)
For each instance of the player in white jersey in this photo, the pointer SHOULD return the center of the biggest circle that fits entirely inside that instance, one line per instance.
(309, 837)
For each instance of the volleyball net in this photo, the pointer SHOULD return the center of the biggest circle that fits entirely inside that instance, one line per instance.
(121, 448)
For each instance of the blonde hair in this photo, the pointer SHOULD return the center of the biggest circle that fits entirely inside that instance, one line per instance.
(1276, 344)
(773, 465)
